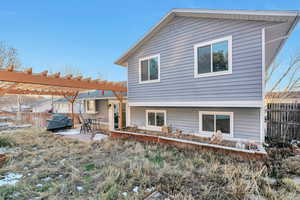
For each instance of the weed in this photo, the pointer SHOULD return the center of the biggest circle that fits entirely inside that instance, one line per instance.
(89, 167)
(6, 141)
(156, 158)
(107, 168)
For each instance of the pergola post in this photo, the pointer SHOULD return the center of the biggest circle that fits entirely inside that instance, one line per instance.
(72, 100)
(26, 82)
(120, 113)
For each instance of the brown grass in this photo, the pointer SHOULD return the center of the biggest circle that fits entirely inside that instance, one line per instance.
(110, 167)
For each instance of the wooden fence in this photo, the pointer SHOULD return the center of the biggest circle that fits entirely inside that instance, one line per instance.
(283, 122)
(38, 120)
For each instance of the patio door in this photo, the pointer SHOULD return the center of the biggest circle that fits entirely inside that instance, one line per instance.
(114, 119)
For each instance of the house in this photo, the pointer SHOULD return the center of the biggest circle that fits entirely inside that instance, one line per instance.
(44, 105)
(201, 71)
(94, 105)
(283, 97)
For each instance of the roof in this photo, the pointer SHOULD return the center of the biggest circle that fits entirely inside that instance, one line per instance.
(40, 102)
(254, 15)
(286, 95)
(96, 94)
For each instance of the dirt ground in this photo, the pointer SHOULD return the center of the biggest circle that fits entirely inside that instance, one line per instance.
(53, 167)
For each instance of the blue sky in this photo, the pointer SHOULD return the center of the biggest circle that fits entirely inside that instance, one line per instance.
(90, 35)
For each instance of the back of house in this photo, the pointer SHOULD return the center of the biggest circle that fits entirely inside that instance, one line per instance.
(202, 71)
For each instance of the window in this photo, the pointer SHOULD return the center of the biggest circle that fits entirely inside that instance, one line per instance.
(90, 106)
(211, 122)
(213, 58)
(155, 119)
(149, 69)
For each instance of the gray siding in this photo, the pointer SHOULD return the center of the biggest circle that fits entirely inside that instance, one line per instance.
(246, 122)
(102, 110)
(175, 44)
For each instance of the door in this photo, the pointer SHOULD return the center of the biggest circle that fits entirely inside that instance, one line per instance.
(114, 119)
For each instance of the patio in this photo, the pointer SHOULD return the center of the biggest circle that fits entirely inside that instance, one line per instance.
(75, 134)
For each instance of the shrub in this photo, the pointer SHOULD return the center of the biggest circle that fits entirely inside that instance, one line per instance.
(6, 141)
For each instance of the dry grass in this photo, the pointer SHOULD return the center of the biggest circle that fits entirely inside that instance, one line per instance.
(55, 167)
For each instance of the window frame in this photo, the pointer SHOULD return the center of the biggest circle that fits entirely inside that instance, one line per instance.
(209, 133)
(86, 106)
(211, 42)
(140, 69)
(157, 128)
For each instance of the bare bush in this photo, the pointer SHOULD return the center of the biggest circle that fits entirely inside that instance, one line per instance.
(8, 56)
(284, 77)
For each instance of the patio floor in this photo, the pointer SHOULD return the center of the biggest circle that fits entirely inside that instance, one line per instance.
(75, 134)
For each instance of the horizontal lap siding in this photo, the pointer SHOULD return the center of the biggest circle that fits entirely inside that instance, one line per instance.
(246, 120)
(102, 108)
(175, 44)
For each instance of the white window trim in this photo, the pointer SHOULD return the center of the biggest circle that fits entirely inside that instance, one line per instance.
(156, 128)
(140, 69)
(229, 71)
(208, 133)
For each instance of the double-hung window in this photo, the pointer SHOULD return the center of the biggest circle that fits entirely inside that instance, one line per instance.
(155, 119)
(213, 57)
(149, 69)
(211, 122)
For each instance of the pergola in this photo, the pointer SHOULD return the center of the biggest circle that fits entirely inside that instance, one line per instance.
(26, 82)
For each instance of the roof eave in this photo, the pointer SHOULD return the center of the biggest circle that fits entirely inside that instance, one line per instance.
(292, 27)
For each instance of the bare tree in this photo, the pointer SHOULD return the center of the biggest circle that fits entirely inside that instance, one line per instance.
(284, 78)
(70, 69)
(8, 56)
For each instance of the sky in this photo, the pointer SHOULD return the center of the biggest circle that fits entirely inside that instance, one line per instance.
(88, 36)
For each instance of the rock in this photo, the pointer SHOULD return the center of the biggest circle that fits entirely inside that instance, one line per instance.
(46, 179)
(150, 189)
(39, 185)
(157, 196)
(79, 188)
(136, 189)
(124, 194)
(270, 180)
(255, 197)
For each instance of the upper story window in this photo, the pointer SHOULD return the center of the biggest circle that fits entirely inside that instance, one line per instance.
(149, 69)
(213, 57)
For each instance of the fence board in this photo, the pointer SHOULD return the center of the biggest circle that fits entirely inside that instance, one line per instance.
(283, 122)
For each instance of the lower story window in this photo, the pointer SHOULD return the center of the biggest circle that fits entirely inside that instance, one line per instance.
(155, 118)
(211, 122)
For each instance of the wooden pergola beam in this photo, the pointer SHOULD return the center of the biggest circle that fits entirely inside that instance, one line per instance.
(56, 80)
(36, 92)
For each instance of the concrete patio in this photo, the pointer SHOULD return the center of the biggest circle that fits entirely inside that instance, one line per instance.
(75, 134)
